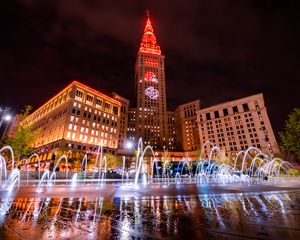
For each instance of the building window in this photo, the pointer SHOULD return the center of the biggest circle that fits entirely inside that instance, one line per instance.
(115, 110)
(245, 107)
(89, 99)
(235, 109)
(225, 111)
(216, 114)
(78, 95)
(207, 116)
(106, 105)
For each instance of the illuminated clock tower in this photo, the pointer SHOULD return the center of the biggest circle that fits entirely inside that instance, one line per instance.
(150, 87)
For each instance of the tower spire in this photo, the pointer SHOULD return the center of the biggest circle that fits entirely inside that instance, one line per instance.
(149, 43)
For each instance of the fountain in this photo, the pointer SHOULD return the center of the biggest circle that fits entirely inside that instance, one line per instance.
(10, 150)
(44, 178)
(123, 168)
(246, 167)
(53, 175)
(74, 180)
(84, 161)
(141, 160)
(13, 178)
(103, 175)
(3, 168)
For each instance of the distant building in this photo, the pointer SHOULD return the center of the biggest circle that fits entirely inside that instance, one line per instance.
(77, 118)
(131, 125)
(123, 120)
(171, 131)
(187, 137)
(237, 125)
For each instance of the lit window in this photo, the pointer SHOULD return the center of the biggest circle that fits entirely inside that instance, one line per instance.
(79, 95)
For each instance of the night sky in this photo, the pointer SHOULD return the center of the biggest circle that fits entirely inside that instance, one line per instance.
(216, 50)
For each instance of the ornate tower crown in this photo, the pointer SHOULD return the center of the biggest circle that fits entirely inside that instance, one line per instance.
(149, 43)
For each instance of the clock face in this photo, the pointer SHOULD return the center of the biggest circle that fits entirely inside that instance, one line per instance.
(152, 93)
(150, 77)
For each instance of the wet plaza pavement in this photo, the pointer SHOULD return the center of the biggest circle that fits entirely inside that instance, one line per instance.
(266, 215)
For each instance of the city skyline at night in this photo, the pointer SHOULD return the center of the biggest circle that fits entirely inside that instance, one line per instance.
(149, 119)
(211, 56)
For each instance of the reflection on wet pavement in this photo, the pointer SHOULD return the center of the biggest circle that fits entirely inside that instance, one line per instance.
(222, 216)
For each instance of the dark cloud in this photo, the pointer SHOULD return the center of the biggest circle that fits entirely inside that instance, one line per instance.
(215, 50)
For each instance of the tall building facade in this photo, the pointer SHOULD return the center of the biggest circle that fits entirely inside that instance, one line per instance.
(237, 125)
(78, 118)
(172, 131)
(150, 89)
(187, 127)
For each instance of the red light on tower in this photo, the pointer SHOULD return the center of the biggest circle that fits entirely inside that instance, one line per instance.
(150, 77)
(149, 43)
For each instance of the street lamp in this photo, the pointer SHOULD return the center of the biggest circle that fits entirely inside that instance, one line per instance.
(129, 145)
(5, 117)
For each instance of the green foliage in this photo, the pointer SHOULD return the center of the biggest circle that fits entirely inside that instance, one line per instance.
(290, 137)
(23, 140)
(76, 158)
(294, 172)
(113, 161)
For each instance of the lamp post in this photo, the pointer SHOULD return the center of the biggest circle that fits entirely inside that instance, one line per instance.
(5, 117)
(129, 146)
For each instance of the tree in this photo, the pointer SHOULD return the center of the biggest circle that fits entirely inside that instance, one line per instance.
(25, 136)
(290, 137)
(113, 161)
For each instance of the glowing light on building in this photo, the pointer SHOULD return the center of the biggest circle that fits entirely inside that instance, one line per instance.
(152, 93)
(149, 43)
(150, 77)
